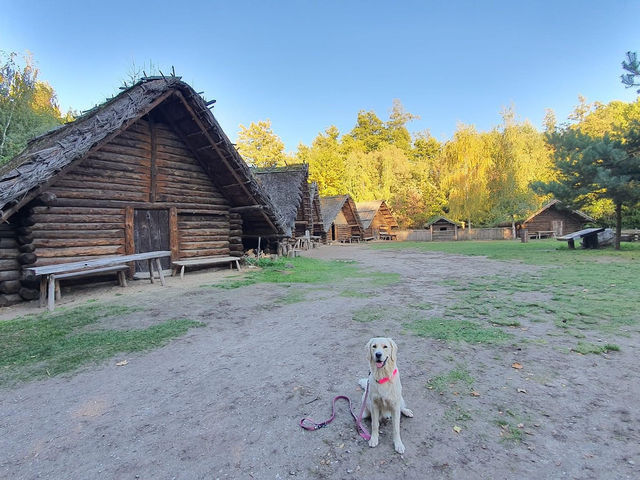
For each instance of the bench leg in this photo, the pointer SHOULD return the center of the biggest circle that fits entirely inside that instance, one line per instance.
(52, 293)
(58, 292)
(238, 265)
(150, 263)
(182, 272)
(160, 272)
(43, 291)
(122, 279)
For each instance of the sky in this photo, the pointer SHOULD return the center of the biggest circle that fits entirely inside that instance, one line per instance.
(306, 65)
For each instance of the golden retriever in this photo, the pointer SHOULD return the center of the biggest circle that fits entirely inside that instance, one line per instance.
(385, 390)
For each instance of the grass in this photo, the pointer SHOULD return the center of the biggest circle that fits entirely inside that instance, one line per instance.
(580, 291)
(451, 330)
(370, 314)
(586, 348)
(457, 378)
(309, 270)
(49, 344)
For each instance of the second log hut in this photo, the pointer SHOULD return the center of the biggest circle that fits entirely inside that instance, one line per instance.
(376, 218)
(340, 219)
(150, 169)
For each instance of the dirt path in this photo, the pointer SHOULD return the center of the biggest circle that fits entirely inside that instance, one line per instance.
(224, 401)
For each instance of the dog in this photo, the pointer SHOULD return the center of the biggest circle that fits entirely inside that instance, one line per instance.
(384, 398)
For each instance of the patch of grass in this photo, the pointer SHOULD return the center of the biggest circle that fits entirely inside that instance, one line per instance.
(348, 293)
(457, 414)
(509, 432)
(368, 314)
(586, 348)
(54, 343)
(452, 330)
(293, 296)
(309, 270)
(456, 377)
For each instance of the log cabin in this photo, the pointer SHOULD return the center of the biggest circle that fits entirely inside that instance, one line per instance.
(341, 219)
(150, 169)
(289, 190)
(377, 219)
(442, 228)
(554, 220)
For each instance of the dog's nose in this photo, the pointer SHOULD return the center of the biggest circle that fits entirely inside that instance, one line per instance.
(378, 354)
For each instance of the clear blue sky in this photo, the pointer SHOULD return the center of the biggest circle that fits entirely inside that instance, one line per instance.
(306, 65)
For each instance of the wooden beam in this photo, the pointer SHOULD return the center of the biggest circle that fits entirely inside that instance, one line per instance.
(245, 208)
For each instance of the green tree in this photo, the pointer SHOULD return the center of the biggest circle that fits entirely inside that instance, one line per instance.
(28, 107)
(326, 162)
(591, 168)
(632, 66)
(260, 146)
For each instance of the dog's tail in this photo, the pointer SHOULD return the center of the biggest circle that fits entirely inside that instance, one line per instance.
(363, 383)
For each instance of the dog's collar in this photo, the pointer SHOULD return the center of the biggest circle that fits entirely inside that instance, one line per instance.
(386, 379)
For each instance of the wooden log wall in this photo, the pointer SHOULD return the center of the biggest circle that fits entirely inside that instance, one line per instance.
(236, 248)
(9, 267)
(304, 219)
(145, 167)
(544, 222)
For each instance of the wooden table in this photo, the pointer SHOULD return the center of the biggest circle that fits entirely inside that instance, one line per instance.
(50, 273)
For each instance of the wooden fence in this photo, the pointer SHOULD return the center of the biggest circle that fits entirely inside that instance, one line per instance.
(463, 234)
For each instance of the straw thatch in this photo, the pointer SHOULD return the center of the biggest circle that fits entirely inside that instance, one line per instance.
(369, 210)
(287, 187)
(341, 207)
(23, 178)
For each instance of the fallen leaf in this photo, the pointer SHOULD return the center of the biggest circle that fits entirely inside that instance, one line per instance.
(516, 365)
(521, 425)
(122, 363)
(474, 393)
(457, 429)
(522, 390)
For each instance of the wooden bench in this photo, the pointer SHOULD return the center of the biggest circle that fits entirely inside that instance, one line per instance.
(202, 262)
(50, 275)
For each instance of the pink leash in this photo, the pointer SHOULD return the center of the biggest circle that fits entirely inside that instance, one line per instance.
(362, 430)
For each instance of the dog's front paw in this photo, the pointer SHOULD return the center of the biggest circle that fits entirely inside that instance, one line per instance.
(407, 412)
(399, 447)
(373, 442)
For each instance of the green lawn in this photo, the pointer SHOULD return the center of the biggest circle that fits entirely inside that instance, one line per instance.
(52, 343)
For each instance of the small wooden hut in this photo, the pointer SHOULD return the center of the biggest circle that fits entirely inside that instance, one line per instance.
(442, 228)
(552, 220)
(341, 219)
(377, 219)
(289, 190)
(150, 169)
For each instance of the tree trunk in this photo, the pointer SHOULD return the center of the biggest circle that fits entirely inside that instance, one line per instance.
(618, 225)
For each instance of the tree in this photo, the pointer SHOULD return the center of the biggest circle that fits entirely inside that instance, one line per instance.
(326, 162)
(260, 146)
(591, 168)
(632, 66)
(28, 107)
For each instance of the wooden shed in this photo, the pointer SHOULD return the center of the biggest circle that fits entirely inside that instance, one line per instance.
(553, 220)
(150, 169)
(376, 218)
(340, 218)
(289, 190)
(442, 228)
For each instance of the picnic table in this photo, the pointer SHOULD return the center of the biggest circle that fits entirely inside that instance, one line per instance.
(50, 275)
(589, 236)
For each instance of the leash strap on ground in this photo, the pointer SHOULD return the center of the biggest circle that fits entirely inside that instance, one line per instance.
(309, 424)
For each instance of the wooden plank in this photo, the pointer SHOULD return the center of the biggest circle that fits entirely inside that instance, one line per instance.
(153, 166)
(74, 218)
(174, 235)
(74, 234)
(80, 210)
(84, 226)
(74, 242)
(78, 251)
(100, 262)
(94, 271)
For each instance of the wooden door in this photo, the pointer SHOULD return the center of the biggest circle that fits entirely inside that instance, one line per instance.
(151, 233)
(557, 226)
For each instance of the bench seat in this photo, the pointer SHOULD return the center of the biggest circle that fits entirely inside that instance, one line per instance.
(203, 262)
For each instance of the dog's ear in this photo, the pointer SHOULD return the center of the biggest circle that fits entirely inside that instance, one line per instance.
(368, 347)
(394, 350)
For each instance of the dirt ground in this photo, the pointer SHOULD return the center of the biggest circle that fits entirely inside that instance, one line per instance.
(224, 401)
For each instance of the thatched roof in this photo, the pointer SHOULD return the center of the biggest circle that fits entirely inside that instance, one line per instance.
(331, 207)
(558, 205)
(368, 210)
(33, 170)
(285, 187)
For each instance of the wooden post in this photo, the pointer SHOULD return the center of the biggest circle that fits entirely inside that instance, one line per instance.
(258, 248)
(174, 240)
(52, 293)
(129, 242)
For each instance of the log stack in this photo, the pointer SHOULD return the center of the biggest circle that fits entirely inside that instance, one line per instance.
(236, 248)
(26, 257)
(9, 267)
